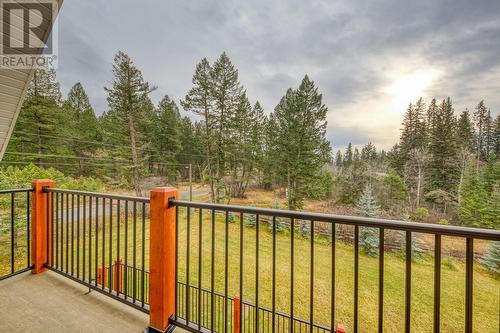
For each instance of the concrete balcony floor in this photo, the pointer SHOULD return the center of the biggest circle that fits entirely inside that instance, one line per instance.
(49, 302)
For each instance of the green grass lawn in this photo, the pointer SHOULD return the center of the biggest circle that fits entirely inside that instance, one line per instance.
(486, 285)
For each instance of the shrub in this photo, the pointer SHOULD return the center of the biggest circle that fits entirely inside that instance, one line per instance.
(368, 207)
(251, 220)
(369, 238)
(420, 214)
(231, 217)
(280, 224)
(492, 258)
(444, 221)
(304, 229)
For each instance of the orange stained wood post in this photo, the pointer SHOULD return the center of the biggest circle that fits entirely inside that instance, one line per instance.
(102, 277)
(237, 314)
(118, 274)
(41, 219)
(340, 328)
(162, 257)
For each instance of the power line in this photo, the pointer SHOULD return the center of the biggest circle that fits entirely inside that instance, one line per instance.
(69, 138)
(155, 151)
(127, 162)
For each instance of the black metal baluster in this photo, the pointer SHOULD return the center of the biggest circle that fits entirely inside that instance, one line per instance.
(292, 265)
(125, 249)
(257, 273)
(67, 233)
(90, 239)
(134, 258)
(226, 272)
(28, 240)
(78, 236)
(12, 239)
(199, 265)
(72, 234)
(84, 262)
(177, 286)
(188, 249)
(96, 239)
(57, 230)
(62, 232)
(110, 259)
(469, 283)
(241, 270)
(212, 286)
(408, 283)
(332, 295)
(47, 215)
(311, 282)
(274, 277)
(118, 259)
(437, 282)
(381, 281)
(356, 276)
(103, 244)
(143, 248)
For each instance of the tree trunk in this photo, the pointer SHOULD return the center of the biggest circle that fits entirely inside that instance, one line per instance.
(419, 181)
(39, 148)
(135, 157)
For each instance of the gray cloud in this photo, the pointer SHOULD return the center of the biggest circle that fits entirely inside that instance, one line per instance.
(347, 47)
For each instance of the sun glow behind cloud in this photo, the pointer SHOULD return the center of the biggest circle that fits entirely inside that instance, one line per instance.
(409, 87)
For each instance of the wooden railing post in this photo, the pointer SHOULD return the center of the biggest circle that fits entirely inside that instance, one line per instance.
(339, 328)
(41, 219)
(118, 275)
(237, 314)
(162, 268)
(102, 277)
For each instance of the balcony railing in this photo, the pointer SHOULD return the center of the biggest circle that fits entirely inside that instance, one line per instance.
(15, 231)
(89, 245)
(215, 268)
(193, 308)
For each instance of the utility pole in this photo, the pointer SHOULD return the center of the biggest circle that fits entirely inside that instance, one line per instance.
(190, 182)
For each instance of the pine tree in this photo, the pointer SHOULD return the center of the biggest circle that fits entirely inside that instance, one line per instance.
(480, 116)
(86, 130)
(413, 134)
(40, 122)
(443, 172)
(251, 220)
(489, 136)
(130, 111)
(44, 84)
(415, 167)
(226, 92)
(199, 100)
(167, 136)
(348, 156)
(467, 141)
(279, 224)
(465, 132)
(496, 137)
(299, 137)
(356, 158)
(244, 145)
(368, 207)
(192, 144)
(473, 203)
(432, 111)
(492, 258)
(369, 153)
(338, 159)
(304, 229)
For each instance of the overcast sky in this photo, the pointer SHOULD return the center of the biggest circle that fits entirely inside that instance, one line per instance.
(368, 58)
